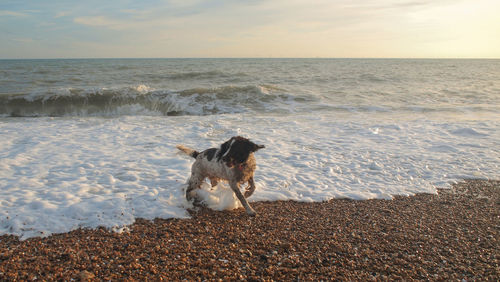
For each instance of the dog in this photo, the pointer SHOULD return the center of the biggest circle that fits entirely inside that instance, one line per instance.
(233, 161)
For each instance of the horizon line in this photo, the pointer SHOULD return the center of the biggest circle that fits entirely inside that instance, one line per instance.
(332, 58)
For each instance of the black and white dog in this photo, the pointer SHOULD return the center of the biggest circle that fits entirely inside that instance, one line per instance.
(232, 161)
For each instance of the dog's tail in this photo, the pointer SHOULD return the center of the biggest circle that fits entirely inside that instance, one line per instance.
(188, 151)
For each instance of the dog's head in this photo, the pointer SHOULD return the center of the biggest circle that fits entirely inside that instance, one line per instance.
(237, 149)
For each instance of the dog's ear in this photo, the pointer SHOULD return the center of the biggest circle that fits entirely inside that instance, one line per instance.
(223, 149)
(257, 147)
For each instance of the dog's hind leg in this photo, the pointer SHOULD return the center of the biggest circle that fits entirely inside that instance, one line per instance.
(251, 188)
(236, 189)
(193, 183)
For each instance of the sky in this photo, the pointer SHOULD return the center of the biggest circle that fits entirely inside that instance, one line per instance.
(250, 28)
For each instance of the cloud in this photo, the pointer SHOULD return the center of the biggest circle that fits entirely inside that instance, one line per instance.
(12, 14)
(62, 14)
(24, 40)
(101, 21)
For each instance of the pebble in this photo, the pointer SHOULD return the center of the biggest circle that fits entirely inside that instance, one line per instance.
(422, 237)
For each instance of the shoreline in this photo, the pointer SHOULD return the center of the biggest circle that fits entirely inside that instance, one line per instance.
(452, 235)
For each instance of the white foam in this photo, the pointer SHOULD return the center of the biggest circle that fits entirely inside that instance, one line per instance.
(219, 198)
(59, 174)
(143, 89)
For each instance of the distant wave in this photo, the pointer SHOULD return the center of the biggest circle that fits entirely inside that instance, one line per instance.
(193, 76)
(202, 75)
(142, 100)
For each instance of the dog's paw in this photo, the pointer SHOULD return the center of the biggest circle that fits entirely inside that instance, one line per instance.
(251, 212)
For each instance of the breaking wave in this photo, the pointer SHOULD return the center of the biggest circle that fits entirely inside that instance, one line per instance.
(142, 100)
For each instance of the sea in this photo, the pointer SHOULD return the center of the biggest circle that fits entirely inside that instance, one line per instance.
(86, 143)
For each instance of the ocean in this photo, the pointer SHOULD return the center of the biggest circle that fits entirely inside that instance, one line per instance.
(91, 142)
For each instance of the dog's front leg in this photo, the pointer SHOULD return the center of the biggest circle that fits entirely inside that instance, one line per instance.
(251, 188)
(236, 189)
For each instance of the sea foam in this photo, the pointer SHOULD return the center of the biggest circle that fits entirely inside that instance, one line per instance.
(58, 174)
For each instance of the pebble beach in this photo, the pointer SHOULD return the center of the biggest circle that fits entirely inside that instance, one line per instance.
(452, 235)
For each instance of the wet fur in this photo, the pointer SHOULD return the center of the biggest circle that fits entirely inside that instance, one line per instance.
(233, 161)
